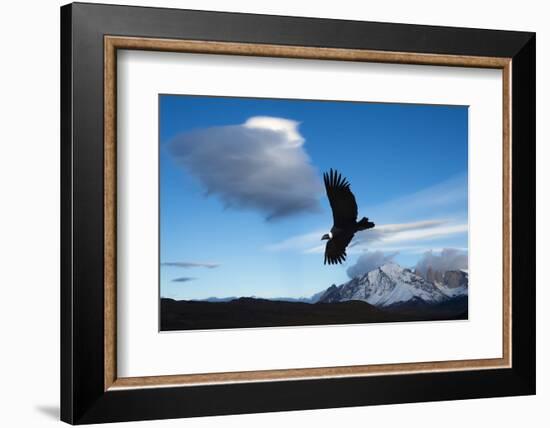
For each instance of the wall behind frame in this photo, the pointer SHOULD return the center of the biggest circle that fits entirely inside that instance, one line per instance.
(29, 220)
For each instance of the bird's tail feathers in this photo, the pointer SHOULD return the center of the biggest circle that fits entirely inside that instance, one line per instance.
(364, 224)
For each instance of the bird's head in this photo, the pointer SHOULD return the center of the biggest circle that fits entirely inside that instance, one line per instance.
(326, 236)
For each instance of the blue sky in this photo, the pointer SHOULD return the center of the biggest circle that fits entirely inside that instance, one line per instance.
(242, 207)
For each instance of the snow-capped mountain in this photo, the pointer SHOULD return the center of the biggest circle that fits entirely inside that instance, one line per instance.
(392, 284)
(387, 286)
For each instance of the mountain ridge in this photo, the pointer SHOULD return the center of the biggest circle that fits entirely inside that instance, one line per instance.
(389, 293)
(385, 286)
(391, 284)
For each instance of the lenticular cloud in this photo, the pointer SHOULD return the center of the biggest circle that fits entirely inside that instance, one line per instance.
(259, 165)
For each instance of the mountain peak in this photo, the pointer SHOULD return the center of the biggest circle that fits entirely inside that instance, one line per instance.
(387, 285)
(391, 268)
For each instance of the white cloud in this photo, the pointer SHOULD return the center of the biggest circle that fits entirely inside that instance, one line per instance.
(367, 261)
(448, 259)
(284, 126)
(259, 165)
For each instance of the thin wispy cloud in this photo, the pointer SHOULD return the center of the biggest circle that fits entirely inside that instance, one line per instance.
(410, 232)
(421, 249)
(191, 264)
(298, 242)
(183, 279)
(398, 237)
(393, 232)
(260, 165)
(448, 199)
(441, 200)
(389, 237)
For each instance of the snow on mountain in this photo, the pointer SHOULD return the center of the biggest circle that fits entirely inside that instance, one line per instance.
(454, 283)
(390, 285)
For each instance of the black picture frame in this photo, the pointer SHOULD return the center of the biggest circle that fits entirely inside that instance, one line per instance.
(83, 396)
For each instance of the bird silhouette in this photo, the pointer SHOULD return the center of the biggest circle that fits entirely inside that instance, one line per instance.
(344, 214)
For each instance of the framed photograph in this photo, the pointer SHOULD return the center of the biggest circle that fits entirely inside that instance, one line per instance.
(266, 213)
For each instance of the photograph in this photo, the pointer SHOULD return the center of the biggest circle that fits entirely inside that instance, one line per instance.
(293, 212)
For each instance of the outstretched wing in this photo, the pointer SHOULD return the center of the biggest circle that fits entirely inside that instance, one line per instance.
(335, 251)
(342, 201)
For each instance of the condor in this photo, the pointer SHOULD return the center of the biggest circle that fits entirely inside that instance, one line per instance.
(344, 214)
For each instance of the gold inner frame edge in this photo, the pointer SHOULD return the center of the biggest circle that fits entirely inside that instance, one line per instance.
(113, 43)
